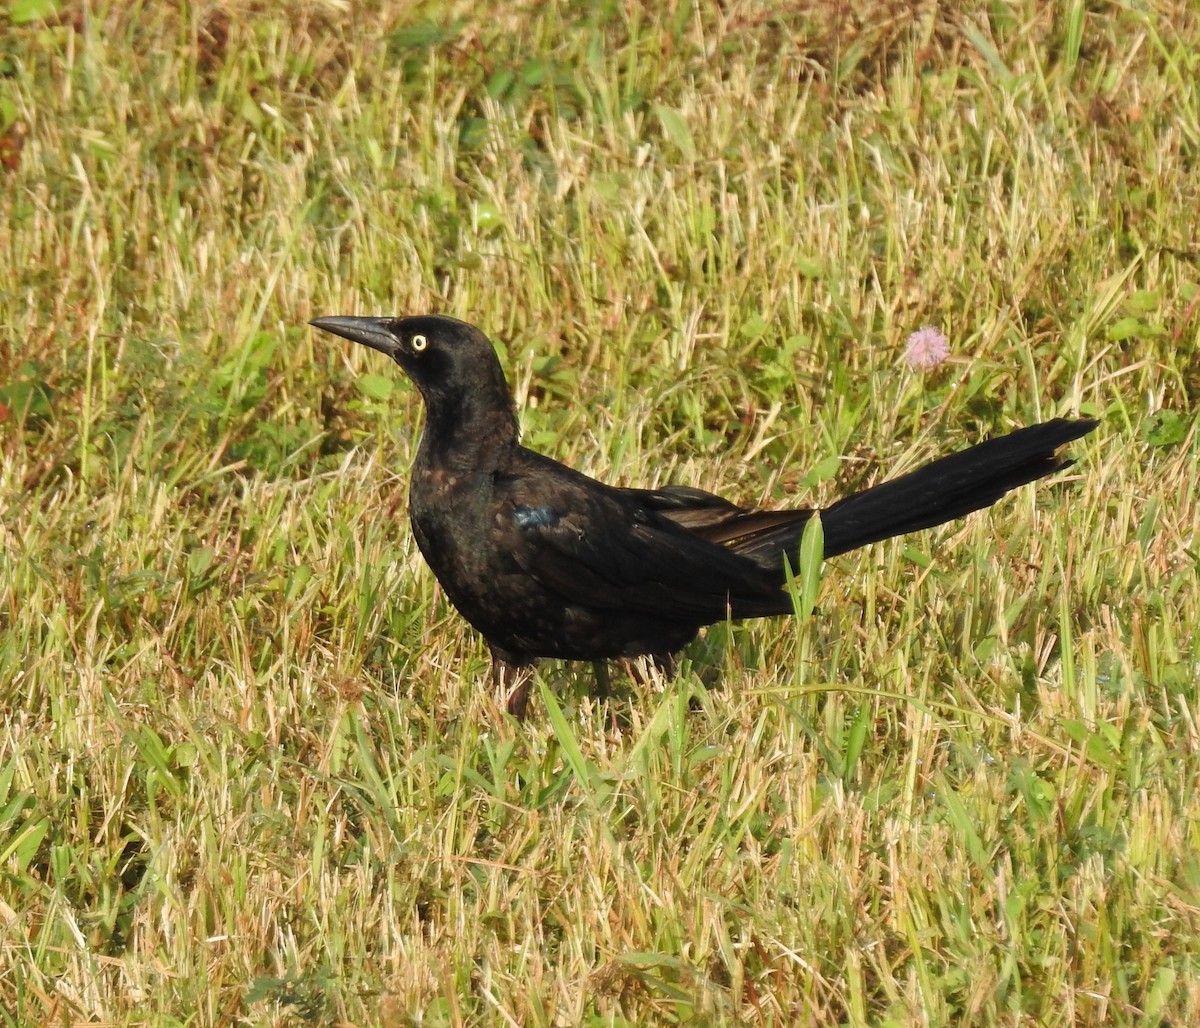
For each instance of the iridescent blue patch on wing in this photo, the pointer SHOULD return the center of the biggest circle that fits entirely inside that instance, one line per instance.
(535, 517)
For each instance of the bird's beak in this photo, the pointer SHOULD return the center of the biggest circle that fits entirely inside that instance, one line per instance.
(372, 332)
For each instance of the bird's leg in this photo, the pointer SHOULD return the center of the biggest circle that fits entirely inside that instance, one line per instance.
(510, 682)
(641, 669)
(603, 685)
(664, 663)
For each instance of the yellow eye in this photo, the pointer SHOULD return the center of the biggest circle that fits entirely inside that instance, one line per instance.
(419, 343)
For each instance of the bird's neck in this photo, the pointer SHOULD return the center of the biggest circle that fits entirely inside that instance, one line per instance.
(464, 435)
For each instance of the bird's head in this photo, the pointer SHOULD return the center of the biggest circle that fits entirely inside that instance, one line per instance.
(450, 362)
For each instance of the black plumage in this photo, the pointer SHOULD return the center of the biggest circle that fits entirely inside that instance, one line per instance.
(546, 562)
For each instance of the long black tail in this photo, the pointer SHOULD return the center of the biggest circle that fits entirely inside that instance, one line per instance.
(949, 487)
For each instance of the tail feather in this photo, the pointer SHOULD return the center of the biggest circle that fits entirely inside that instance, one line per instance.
(949, 487)
(942, 490)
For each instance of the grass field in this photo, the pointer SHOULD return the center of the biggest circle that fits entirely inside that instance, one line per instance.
(250, 771)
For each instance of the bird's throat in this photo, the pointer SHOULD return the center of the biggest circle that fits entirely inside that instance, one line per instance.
(466, 437)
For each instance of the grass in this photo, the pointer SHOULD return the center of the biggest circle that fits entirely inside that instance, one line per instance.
(249, 769)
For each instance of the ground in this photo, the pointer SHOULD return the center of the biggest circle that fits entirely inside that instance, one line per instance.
(250, 770)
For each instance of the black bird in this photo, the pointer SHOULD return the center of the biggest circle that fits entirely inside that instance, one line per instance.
(546, 562)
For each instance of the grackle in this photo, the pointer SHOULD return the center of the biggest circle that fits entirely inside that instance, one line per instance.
(546, 562)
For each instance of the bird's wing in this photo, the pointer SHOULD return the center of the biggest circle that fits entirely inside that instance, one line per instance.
(602, 548)
(761, 535)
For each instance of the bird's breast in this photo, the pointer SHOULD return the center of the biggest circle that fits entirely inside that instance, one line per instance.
(451, 520)
(433, 483)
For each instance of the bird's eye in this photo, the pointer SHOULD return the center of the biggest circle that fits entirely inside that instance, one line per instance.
(419, 343)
